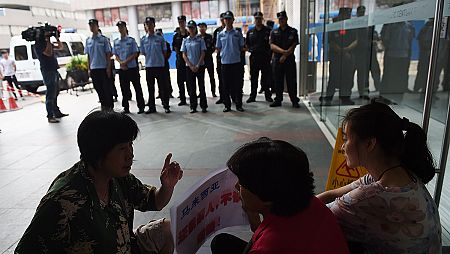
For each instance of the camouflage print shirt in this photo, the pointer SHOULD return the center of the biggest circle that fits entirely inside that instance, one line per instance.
(71, 219)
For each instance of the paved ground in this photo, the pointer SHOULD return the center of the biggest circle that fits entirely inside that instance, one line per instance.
(33, 152)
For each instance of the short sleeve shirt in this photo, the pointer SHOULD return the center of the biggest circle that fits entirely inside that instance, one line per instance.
(124, 47)
(178, 41)
(284, 39)
(71, 219)
(230, 44)
(389, 219)
(258, 41)
(48, 63)
(193, 46)
(154, 48)
(8, 66)
(97, 47)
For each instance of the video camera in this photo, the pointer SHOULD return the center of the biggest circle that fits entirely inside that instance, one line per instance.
(37, 33)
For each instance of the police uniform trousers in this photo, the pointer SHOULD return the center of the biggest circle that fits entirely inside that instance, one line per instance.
(232, 84)
(159, 74)
(219, 74)
(102, 84)
(341, 73)
(125, 77)
(287, 69)
(209, 66)
(192, 87)
(260, 62)
(181, 77)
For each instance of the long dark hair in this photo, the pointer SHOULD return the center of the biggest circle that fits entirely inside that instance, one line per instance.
(398, 137)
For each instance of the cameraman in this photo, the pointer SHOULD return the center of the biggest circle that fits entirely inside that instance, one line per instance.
(49, 69)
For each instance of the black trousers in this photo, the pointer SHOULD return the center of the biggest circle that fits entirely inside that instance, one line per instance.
(362, 65)
(229, 244)
(159, 74)
(192, 87)
(209, 65)
(125, 77)
(169, 81)
(181, 77)
(395, 75)
(232, 84)
(12, 81)
(102, 84)
(287, 70)
(260, 63)
(341, 73)
(219, 74)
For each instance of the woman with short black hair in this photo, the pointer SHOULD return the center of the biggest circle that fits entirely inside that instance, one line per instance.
(275, 181)
(90, 207)
(389, 210)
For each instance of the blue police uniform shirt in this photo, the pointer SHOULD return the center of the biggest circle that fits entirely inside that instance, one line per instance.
(124, 47)
(193, 46)
(97, 47)
(230, 44)
(153, 47)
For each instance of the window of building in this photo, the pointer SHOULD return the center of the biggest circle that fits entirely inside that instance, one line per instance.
(33, 52)
(161, 12)
(201, 9)
(99, 16)
(77, 48)
(107, 17)
(123, 14)
(62, 52)
(246, 7)
(20, 53)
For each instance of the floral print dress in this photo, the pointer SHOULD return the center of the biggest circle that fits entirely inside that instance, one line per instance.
(389, 219)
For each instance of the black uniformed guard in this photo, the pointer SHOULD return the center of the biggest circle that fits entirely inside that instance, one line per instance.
(283, 41)
(166, 64)
(219, 65)
(210, 48)
(181, 65)
(270, 24)
(126, 50)
(258, 44)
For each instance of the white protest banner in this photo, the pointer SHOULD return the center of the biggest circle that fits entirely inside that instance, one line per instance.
(210, 205)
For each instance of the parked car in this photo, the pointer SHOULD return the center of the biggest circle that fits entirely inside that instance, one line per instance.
(28, 71)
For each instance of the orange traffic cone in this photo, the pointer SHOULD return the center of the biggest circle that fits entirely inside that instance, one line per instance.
(2, 106)
(12, 101)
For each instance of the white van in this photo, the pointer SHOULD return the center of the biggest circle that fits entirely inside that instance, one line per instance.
(28, 71)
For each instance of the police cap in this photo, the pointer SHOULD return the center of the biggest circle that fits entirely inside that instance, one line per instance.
(121, 23)
(150, 20)
(282, 14)
(228, 15)
(93, 21)
(191, 23)
(258, 14)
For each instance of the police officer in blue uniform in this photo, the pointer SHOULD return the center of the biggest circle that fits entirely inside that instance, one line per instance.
(258, 44)
(218, 63)
(180, 64)
(193, 49)
(98, 50)
(230, 44)
(153, 47)
(283, 41)
(210, 48)
(126, 50)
